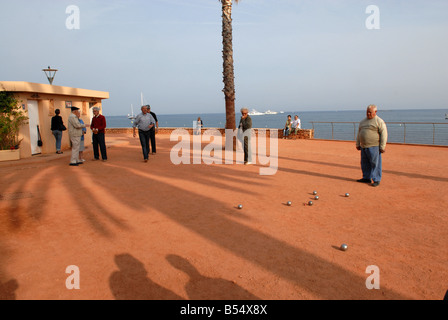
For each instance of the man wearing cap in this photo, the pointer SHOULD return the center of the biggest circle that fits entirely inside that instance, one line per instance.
(75, 133)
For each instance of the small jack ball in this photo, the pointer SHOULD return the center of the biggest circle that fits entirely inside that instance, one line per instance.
(347, 195)
(240, 206)
(288, 203)
(310, 203)
(316, 198)
(314, 192)
(344, 247)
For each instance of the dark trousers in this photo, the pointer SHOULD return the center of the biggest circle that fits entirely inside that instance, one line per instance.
(99, 142)
(152, 137)
(246, 149)
(144, 141)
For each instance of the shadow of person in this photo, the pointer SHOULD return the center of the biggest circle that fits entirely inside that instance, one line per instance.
(132, 283)
(7, 290)
(200, 287)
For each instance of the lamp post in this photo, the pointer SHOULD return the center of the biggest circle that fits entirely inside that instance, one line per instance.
(50, 73)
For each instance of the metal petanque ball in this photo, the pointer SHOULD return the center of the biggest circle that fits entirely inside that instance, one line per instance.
(288, 203)
(316, 198)
(310, 203)
(240, 206)
(344, 247)
(347, 195)
(314, 192)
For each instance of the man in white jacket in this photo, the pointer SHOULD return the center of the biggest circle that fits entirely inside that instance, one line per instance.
(75, 133)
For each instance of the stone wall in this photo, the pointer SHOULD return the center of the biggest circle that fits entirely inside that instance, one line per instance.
(302, 134)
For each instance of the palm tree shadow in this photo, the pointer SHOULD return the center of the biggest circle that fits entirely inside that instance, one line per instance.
(131, 282)
(399, 173)
(7, 290)
(200, 287)
(291, 263)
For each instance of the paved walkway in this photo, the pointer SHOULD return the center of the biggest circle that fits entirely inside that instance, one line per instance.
(156, 230)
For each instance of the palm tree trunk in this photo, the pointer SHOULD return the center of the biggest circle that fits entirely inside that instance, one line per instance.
(228, 73)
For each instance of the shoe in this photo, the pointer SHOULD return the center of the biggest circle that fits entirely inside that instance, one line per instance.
(80, 162)
(95, 159)
(74, 164)
(247, 163)
(145, 160)
(364, 180)
(104, 160)
(375, 183)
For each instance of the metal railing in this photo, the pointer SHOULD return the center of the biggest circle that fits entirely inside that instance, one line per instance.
(428, 133)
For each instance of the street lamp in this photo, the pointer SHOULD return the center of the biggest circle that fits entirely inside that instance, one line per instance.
(50, 73)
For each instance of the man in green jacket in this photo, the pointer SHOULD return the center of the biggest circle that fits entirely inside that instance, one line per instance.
(245, 132)
(371, 141)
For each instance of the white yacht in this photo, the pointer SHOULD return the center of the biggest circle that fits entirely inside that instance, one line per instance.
(254, 112)
(271, 112)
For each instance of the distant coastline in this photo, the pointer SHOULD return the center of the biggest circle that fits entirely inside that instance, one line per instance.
(278, 120)
(419, 134)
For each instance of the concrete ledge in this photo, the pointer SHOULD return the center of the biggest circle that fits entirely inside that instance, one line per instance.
(302, 134)
(9, 155)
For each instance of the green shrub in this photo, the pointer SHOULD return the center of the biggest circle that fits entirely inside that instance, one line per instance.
(11, 119)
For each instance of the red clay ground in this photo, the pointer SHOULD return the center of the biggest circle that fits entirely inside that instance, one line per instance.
(156, 230)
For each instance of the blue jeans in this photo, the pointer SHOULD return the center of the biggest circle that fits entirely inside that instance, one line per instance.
(144, 141)
(58, 135)
(371, 163)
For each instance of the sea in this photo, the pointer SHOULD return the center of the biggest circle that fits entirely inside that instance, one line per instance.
(412, 126)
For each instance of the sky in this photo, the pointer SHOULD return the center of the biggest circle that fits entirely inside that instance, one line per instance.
(290, 55)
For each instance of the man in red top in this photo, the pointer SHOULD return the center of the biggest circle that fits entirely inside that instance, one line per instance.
(98, 125)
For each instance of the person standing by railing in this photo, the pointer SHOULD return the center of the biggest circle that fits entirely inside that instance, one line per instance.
(245, 133)
(371, 141)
